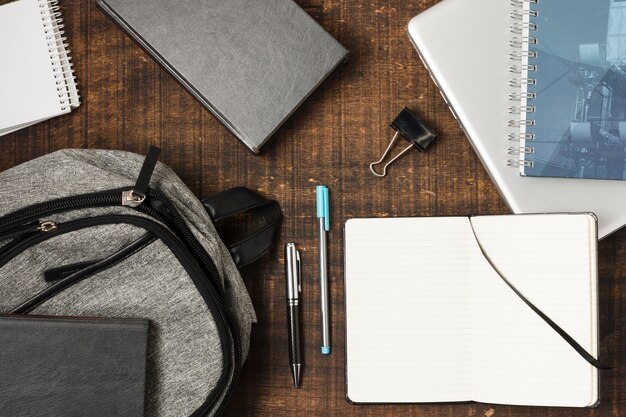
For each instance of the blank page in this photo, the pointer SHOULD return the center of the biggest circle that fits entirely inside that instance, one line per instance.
(408, 328)
(29, 88)
(518, 357)
(429, 320)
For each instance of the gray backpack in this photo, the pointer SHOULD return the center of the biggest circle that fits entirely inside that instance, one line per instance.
(108, 234)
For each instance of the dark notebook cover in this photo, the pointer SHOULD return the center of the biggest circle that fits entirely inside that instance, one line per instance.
(72, 367)
(250, 62)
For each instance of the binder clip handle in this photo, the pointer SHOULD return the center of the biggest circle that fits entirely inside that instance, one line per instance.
(411, 128)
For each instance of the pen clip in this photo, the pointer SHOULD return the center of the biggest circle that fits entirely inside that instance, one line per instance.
(299, 270)
(326, 210)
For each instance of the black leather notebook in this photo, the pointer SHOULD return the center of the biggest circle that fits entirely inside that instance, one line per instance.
(250, 62)
(72, 367)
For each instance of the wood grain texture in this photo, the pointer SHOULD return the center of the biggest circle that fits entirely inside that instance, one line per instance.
(130, 102)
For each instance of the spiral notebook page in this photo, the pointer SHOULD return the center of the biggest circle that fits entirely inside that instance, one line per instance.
(429, 320)
(30, 91)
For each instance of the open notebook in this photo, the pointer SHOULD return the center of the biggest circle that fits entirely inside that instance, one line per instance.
(429, 320)
(38, 81)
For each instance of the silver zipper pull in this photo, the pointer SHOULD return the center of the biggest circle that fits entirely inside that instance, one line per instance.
(132, 199)
(47, 227)
(135, 197)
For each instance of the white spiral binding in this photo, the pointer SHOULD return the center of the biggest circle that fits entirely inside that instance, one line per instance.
(62, 66)
(522, 29)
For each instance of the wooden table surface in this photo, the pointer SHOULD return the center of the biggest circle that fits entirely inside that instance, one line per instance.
(129, 102)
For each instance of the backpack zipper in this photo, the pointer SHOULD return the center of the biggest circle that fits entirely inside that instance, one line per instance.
(23, 229)
(81, 272)
(115, 198)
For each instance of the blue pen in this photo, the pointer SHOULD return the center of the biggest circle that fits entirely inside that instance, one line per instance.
(323, 215)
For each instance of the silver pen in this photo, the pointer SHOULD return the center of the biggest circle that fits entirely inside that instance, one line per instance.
(293, 288)
(323, 209)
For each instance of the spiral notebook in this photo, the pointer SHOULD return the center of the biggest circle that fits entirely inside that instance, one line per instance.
(429, 319)
(572, 78)
(38, 82)
(474, 75)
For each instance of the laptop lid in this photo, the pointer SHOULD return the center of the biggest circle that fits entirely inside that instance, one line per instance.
(465, 45)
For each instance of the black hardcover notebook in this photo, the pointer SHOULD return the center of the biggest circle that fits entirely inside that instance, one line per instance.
(250, 62)
(72, 367)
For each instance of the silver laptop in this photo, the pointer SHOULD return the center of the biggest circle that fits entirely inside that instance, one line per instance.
(465, 45)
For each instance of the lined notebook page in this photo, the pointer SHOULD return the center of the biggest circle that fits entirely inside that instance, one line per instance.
(29, 88)
(428, 320)
(518, 358)
(408, 327)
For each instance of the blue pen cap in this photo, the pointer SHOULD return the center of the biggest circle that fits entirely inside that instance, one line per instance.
(323, 205)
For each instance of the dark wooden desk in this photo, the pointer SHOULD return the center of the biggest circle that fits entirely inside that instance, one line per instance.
(129, 103)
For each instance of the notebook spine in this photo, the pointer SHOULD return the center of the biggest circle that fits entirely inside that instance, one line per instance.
(62, 65)
(522, 69)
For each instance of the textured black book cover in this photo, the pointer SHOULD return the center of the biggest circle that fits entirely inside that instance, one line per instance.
(72, 367)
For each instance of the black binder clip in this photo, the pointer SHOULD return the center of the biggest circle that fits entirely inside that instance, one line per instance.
(411, 128)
